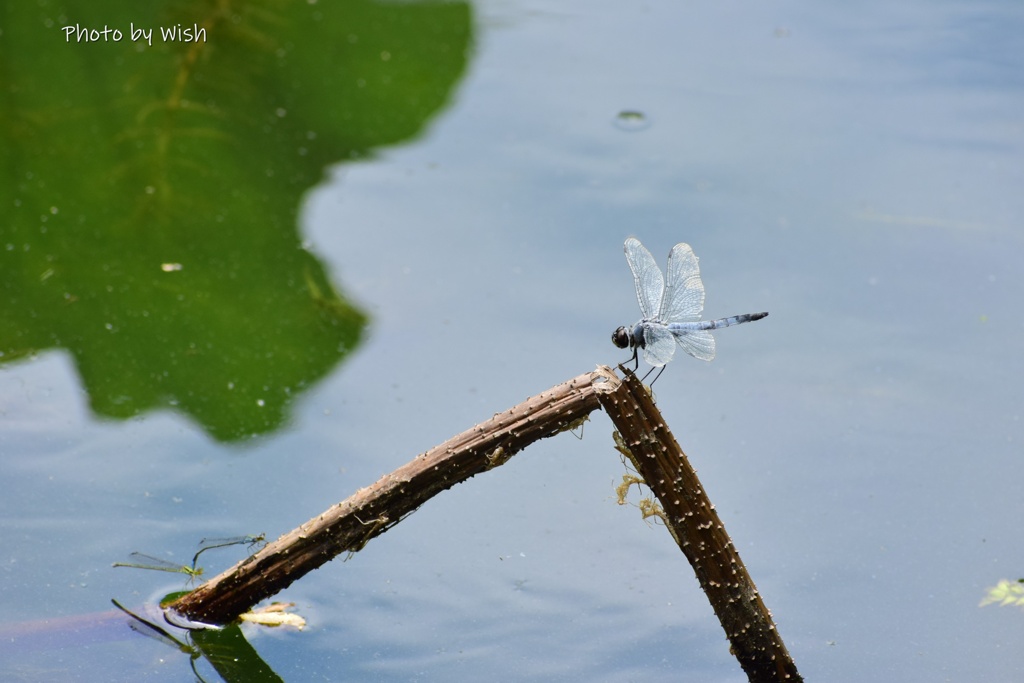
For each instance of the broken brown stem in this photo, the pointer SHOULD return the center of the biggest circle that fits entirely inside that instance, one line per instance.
(696, 528)
(371, 511)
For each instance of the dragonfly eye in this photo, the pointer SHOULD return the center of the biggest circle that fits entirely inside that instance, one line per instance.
(620, 337)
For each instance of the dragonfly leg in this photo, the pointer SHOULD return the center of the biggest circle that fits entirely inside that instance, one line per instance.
(660, 370)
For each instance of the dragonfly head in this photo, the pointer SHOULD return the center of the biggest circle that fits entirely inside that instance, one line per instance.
(621, 338)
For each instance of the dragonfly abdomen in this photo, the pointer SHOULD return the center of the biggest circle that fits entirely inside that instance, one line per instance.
(715, 324)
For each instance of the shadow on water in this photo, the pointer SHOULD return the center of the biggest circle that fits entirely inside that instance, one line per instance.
(149, 206)
(227, 650)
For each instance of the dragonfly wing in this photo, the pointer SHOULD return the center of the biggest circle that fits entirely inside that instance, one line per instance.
(684, 292)
(646, 276)
(698, 343)
(659, 344)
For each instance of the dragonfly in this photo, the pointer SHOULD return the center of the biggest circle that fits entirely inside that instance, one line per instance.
(211, 543)
(671, 308)
(143, 561)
